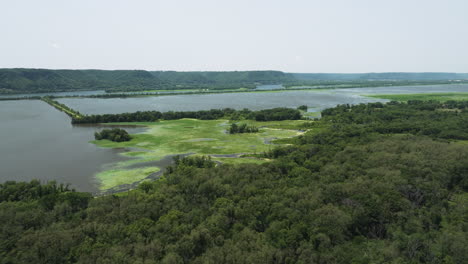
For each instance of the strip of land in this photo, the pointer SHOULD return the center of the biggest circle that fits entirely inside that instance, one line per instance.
(61, 107)
(422, 96)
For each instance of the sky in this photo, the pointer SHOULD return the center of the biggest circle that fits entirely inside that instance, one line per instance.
(338, 36)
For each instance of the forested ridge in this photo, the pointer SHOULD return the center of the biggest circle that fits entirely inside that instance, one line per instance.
(375, 183)
(421, 76)
(45, 80)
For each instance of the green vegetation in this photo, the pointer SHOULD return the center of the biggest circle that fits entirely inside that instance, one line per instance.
(302, 108)
(203, 137)
(75, 115)
(311, 114)
(194, 161)
(442, 97)
(112, 178)
(274, 114)
(44, 80)
(242, 128)
(380, 183)
(238, 160)
(114, 134)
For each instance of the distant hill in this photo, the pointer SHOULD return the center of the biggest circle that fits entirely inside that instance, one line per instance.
(210, 77)
(45, 80)
(423, 76)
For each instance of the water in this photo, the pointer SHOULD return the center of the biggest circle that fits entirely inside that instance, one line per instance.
(269, 87)
(441, 88)
(254, 101)
(38, 142)
(75, 93)
(316, 99)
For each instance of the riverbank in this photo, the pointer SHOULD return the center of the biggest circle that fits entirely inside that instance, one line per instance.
(423, 97)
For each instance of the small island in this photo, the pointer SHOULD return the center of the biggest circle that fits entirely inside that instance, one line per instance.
(115, 134)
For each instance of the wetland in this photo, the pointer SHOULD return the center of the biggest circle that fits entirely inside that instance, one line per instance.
(40, 137)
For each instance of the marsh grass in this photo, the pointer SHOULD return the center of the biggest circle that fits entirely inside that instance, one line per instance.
(113, 178)
(171, 137)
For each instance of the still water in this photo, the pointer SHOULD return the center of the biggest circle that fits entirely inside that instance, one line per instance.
(254, 101)
(316, 99)
(38, 142)
(441, 88)
(73, 93)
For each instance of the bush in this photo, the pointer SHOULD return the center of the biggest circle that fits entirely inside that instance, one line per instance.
(115, 134)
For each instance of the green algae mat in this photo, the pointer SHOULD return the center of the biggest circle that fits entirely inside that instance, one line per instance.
(189, 136)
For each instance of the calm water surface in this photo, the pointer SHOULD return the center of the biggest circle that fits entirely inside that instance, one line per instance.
(76, 93)
(255, 101)
(38, 142)
(316, 99)
(442, 88)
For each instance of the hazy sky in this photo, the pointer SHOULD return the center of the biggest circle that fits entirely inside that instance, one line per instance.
(292, 35)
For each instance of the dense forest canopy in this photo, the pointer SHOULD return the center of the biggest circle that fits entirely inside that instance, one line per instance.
(274, 114)
(375, 183)
(45, 80)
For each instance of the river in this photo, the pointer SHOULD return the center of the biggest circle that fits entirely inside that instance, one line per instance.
(38, 142)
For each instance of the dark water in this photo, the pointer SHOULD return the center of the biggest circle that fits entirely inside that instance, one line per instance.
(38, 142)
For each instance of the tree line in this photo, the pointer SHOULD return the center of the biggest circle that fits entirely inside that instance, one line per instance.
(242, 128)
(347, 191)
(46, 80)
(274, 114)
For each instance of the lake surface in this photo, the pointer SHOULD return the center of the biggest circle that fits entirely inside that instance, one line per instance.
(75, 93)
(255, 101)
(317, 100)
(269, 87)
(441, 88)
(39, 142)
